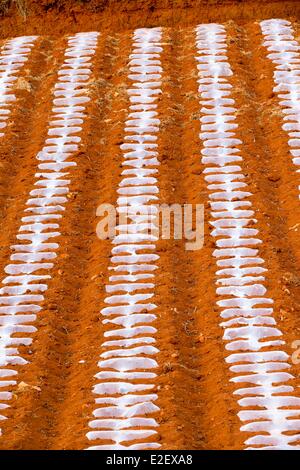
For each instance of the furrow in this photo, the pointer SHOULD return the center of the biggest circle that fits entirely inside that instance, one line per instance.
(178, 374)
(77, 290)
(195, 400)
(25, 135)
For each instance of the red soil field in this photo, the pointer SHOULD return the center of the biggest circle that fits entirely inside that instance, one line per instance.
(52, 401)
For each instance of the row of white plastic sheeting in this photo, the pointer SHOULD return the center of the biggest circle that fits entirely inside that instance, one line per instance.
(13, 55)
(28, 272)
(284, 52)
(125, 382)
(256, 358)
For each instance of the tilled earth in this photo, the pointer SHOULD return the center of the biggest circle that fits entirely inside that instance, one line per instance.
(52, 400)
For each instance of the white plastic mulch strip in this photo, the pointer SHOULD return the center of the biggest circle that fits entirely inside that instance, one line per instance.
(13, 55)
(33, 254)
(284, 52)
(125, 381)
(256, 358)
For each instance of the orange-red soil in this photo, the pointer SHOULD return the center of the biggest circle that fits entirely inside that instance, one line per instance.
(56, 17)
(197, 408)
